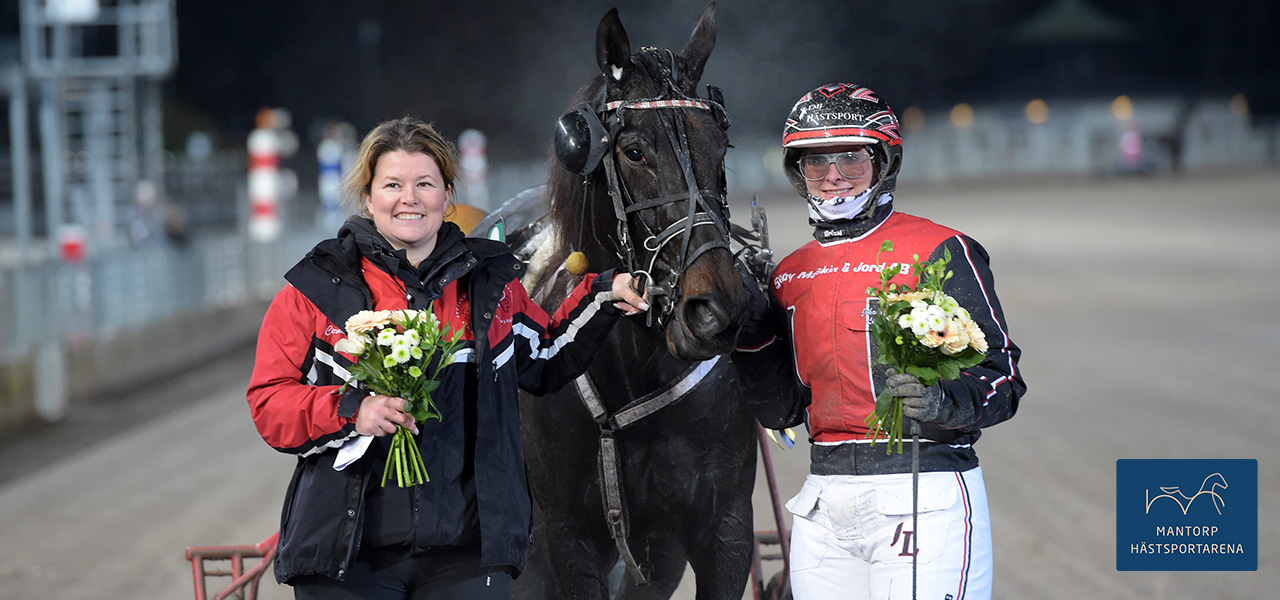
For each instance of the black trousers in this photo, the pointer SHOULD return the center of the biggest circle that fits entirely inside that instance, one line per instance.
(441, 574)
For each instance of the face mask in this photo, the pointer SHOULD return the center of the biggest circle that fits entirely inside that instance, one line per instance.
(842, 208)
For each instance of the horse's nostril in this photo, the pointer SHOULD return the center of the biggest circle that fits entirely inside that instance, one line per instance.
(704, 317)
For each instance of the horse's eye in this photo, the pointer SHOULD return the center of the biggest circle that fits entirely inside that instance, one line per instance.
(634, 155)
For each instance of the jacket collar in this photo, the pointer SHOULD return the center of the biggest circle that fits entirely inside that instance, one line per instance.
(449, 260)
(826, 231)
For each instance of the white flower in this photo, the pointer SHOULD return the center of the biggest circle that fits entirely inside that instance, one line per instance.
(353, 345)
(401, 355)
(936, 318)
(906, 321)
(919, 322)
(947, 303)
(386, 337)
(412, 336)
(401, 341)
(926, 318)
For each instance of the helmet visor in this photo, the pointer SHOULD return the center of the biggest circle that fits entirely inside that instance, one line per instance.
(850, 165)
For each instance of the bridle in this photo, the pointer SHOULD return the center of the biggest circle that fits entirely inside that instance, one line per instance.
(704, 208)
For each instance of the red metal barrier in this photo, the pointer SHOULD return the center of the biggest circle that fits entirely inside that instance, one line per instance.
(778, 587)
(244, 584)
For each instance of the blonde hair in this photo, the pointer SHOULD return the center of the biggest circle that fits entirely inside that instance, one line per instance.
(404, 134)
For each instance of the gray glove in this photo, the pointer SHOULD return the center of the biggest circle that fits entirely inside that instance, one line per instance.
(924, 404)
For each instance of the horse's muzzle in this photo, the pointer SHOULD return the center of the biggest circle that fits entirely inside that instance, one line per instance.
(704, 327)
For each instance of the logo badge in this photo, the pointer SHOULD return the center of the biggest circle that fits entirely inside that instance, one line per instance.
(1186, 515)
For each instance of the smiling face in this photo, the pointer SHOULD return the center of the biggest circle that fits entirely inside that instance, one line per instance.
(406, 199)
(836, 184)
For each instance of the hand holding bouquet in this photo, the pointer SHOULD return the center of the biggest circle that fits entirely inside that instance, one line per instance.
(921, 331)
(395, 349)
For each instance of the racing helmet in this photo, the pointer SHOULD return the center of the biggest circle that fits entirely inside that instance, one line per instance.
(843, 113)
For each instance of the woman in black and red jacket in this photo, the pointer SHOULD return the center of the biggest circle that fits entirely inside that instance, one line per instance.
(464, 533)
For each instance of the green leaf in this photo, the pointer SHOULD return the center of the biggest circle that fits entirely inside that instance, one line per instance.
(969, 358)
(949, 369)
(899, 307)
(926, 375)
(884, 404)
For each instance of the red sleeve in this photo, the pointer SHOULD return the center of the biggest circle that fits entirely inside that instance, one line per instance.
(291, 415)
(551, 353)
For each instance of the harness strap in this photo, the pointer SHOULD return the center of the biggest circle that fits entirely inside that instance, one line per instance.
(658, 399)
(609, 459)
(615, 514)
(661, 200)
(619, 211)
(655, 243)
(591, 399)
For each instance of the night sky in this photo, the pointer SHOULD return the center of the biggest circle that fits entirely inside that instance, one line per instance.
(509, 68)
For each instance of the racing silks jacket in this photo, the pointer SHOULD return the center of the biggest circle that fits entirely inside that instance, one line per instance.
(509, 341)
(818, 297)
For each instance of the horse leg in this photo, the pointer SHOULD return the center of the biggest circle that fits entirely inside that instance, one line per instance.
(578, 561)
(721, 556)
(665, 558)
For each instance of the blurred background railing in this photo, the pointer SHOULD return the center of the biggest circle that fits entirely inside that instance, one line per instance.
(111, 225)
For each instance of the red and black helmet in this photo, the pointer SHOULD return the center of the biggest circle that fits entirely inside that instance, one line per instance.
(843, 113)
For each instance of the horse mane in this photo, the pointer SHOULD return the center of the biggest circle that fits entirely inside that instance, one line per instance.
(569, 195)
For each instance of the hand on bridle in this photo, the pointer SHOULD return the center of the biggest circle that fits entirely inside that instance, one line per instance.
(628, 299)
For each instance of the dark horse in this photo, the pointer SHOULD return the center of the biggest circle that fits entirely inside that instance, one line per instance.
(648, 196)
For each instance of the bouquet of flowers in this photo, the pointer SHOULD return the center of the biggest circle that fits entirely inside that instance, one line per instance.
(394, 350)
(920, 331)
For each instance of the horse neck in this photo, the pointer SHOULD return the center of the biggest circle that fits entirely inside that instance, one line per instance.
(584, 215)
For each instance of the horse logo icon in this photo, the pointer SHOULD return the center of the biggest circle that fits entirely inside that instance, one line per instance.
(1208, 487)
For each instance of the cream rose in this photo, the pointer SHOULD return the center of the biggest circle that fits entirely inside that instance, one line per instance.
(354, 345)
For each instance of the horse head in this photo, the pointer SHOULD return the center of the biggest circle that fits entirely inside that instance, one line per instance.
(1216, 480)
(644, 189)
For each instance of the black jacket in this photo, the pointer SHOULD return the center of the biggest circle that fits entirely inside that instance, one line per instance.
(511, 343)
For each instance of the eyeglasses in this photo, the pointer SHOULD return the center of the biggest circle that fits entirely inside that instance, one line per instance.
(849, 164)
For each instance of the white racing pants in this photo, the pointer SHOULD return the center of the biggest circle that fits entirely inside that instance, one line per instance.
(852, 538)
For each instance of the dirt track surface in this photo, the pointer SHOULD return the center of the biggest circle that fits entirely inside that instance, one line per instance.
(1144, 308)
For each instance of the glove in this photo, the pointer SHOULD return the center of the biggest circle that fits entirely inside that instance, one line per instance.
(924, 404)
(756, 328)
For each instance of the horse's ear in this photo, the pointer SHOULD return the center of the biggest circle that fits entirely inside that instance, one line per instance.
(613, 49)
(700, 45)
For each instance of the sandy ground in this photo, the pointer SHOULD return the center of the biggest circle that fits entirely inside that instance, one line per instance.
(1144, 308)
